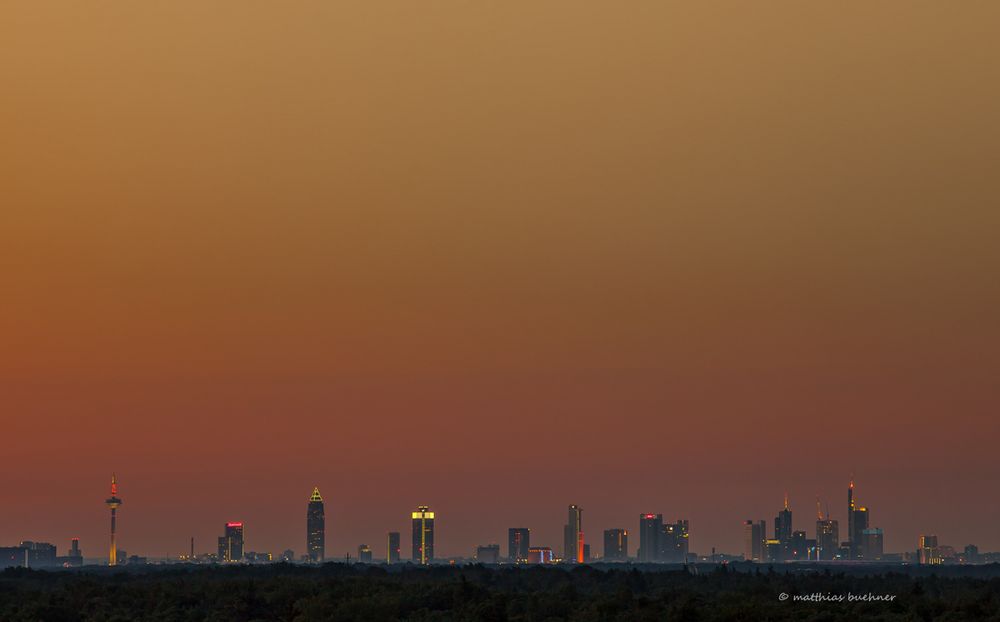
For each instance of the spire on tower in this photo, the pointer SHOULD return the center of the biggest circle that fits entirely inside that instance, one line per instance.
(114, 485)
(786, 499)
(819, 512)
(315, 495)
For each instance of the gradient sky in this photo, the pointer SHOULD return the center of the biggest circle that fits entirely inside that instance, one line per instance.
(497, 257)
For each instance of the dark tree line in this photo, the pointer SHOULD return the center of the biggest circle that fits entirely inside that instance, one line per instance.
(530, 594)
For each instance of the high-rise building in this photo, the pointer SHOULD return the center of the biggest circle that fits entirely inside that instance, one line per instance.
(615, 545)
(799, 547)
(929, 554)
(364, 554)
(423, 535)
(857, 522)
(783, 524)
(518, 543)
(488, 554)
(858, 538)
(851, 507)
(827, 538)
(573, 536)
(872, 543)
(315, 528)
(392, 548)
(774, 551)
(754, 534)
(928, 550)
(113, 502)
(231, 544)
(650, 528)
(674, 542)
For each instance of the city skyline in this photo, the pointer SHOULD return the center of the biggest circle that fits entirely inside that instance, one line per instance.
(497, 258)
(667, 540)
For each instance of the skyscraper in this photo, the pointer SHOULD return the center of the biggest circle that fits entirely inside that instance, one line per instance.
(827, 537)
(799, 547)
(316, 528)
(872, 542)
(392, 548)
(573, 536)
(928, 550)
(754, 535)
(773, 550)
(673, 544)
(783, 523)
(615, 545)
(423, 535)
(113, 502)
(858, 537)
(231, 544)
(850, 518)
(857, 523)
(518, 543)
(650, 527)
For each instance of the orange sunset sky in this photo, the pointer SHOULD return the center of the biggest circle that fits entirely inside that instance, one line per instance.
(497, 257)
